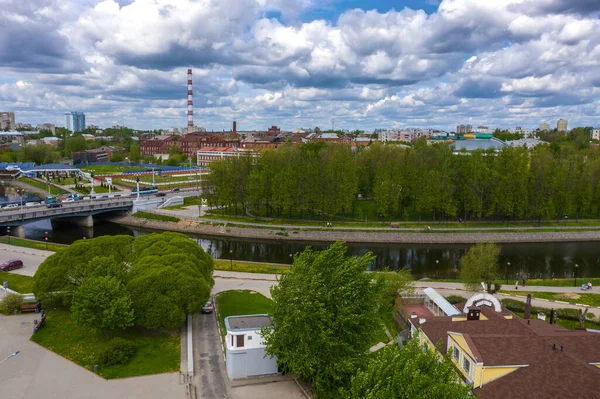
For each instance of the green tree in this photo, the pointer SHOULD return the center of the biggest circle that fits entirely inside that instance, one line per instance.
(103, 303)
(395, 284)
(480, 265)
(322, 327)
(117, 156)
(407, 373)
(134, 153)
(74, 144)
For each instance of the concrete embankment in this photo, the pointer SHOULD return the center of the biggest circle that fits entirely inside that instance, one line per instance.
(331, 235)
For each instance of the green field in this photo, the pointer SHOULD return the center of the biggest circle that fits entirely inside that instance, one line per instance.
(17, 282)
(82, 345)
(250, 267)
(239, 303)
(42, 186)
(109, 169)
(154, 216)
(21, 242)
(584, 299)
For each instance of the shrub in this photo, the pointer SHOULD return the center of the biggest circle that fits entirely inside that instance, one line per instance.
(454, 299)
(118, 351)
(11, 303)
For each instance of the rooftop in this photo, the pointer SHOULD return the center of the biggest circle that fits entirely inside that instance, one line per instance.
(478, 144)
(249, 322)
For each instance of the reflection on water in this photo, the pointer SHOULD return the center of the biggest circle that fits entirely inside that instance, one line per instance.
(533, 259)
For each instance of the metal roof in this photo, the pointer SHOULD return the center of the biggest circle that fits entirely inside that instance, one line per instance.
(49, 167)
(478, 144)
(441, 302)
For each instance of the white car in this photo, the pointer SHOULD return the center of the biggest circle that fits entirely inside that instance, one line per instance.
(11, 206)
(32, 204)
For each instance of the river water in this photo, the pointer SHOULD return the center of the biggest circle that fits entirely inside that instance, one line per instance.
(545, 260)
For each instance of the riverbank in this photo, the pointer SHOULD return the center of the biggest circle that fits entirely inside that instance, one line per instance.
(331, 235)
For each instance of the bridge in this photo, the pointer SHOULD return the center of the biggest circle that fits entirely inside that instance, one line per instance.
(77, 212)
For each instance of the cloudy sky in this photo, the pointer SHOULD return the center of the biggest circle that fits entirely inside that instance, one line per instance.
(298, 63)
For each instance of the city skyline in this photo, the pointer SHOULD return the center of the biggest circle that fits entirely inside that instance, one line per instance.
(266, 62)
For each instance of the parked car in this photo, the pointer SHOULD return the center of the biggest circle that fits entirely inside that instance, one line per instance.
(208, 307)
(175, 190)
(54, 205)
(161, 194)
(32, 204)
(11, 265)
(11, 206)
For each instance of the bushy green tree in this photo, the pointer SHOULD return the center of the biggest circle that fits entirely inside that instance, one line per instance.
(167, 275)
(407, 373)
(480, 265)
(103, 303)
(324, 317)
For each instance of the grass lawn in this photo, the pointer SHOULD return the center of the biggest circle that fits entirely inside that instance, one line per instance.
(568, 324)
(21, 242)
(154, 216)
(584, 299)
(43, 186)
(239, 303)
(17, 282)
(564, 282)
(81, 344)
(108, 169)
(250, 267)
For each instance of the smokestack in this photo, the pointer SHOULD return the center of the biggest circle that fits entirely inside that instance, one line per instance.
(527, 312)
(190, 102)
(234, 128)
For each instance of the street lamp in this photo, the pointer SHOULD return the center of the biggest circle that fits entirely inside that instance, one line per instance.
(575, 275)
(92, 192)
(566, 217)
(231, 259)
(437, 264)
(48, 180)
(506, 271)
(8, 229)
(46, 239)
(137, 181)
(11, 355)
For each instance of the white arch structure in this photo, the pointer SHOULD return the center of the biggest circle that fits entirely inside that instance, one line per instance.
(483, 299)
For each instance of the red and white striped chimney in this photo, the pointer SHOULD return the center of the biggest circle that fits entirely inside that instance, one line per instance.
(190, 102)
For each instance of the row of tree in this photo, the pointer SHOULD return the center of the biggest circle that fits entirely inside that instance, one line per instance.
(115, 282)
(548, 182)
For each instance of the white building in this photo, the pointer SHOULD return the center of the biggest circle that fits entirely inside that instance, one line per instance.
(206, 155)
(595, 135)
(483, 129)
(527, 133)
(545, 127)
(245, 350)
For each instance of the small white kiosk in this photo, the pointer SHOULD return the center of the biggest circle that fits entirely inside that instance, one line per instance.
(245, 349)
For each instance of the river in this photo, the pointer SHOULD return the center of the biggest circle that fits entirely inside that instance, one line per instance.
(545, 260)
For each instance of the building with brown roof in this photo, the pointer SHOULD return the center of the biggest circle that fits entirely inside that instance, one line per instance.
(504, 356)
(154, 145)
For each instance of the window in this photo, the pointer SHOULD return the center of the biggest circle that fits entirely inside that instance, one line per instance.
(456, 354)
(467, 365)
(239, 341)
(425, 346)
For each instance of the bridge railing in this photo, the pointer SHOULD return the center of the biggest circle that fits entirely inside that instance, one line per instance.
(73, 209)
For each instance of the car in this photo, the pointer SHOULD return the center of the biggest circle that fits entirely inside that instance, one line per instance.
(32, 203)
(11, 265)
(208, 307)
(11, 206)
(54, 205)
(175, 190)
(161, 194)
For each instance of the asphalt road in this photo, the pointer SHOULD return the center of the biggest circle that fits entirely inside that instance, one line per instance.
(31, 258)
(211, 376)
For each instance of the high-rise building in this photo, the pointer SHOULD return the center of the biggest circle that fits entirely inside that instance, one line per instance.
(462, 129)
(7, 121)
(561, 125)
(75, 121)
(544, 127)
(46, 126)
